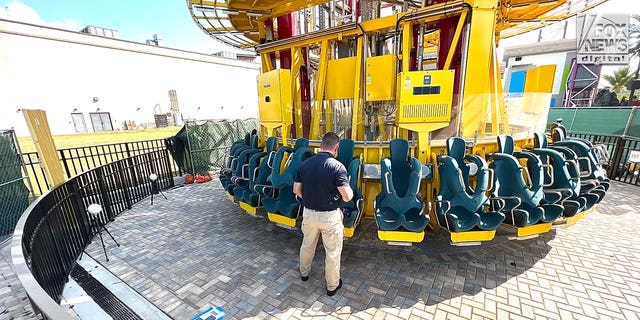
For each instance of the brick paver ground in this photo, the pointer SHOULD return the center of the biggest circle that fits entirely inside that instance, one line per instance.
(14, 303)
(197, 249)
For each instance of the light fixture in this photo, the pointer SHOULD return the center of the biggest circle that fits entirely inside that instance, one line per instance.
(74, 109)
(154, 186)
(97, 109)
(547, 3)
(519, 6)
(94, 209)
(97, 226)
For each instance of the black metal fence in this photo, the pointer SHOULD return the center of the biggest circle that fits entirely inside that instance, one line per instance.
(80, 159)
(620, 166)
(55, 229)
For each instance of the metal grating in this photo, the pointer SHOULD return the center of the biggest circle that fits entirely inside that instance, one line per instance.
(431, 111)
(102, 296)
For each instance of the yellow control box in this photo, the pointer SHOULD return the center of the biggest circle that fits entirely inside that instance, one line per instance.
(341, 79)
(380, 79)
(424, 96)
(275, 96)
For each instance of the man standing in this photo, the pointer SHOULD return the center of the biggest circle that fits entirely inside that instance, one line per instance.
(321, 181)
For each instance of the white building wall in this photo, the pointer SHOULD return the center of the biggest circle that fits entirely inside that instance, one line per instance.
(556, 58)
(59, 71)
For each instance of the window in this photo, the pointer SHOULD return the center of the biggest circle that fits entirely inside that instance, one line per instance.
(78, 122)
(101, 121)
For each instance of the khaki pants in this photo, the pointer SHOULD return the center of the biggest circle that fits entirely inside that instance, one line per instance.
(329, 224)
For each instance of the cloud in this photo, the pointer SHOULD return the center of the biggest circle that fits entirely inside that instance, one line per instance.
(19, 11)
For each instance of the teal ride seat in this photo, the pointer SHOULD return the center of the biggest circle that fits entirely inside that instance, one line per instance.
(562, 182)
(234, 151)
(589, 189)
(353, 209)
(459, 207)
(239, 171)
(522, 202)
(400, 205)
(258, 170)
(284, 201)
(588, 158)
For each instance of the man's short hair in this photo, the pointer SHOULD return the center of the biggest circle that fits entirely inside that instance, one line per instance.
(329, 141)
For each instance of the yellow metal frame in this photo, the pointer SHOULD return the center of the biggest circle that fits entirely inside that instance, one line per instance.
(472, 236)
(281, 220)
(400, 236)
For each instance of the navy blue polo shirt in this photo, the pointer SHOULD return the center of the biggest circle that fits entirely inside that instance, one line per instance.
(321, 175)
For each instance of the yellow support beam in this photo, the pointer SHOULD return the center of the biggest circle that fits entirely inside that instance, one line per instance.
(407, 43)
(456, 39)
(319, 93)
(478, 61)
(357, 130)
(42, 139)
(297, 62)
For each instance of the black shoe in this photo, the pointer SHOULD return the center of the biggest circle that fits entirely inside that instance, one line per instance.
(331, 293)
(304, 278)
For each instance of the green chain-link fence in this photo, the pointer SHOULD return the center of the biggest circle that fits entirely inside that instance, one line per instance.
(14, 195)
(201, 146)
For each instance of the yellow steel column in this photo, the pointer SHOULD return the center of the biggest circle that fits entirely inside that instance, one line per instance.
(319, 93)
(328, 116)
(357, 118)
(47, 152)
(478, 66)
(297, 62)
(407, 43)
(266, 63)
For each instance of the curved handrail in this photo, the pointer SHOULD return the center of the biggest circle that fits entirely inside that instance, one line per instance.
(85, 187)
(40, 298)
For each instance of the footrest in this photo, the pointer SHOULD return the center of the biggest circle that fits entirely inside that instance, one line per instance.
(256, 212)
(534, 229)
(400, 236)
(281, 220)
(472, 236)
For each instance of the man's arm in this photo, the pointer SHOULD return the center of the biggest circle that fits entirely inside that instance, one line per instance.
(297, 189)
(346, 192)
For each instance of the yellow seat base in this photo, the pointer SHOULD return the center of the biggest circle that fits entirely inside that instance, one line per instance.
(573, 220)
(472, 236)
(534, 229)
(257, 212)
(401, 236)
(230, 197)
(348, 232)
(281, 220)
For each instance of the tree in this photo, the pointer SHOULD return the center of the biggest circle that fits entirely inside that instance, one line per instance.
(619, 79)
(634, 49)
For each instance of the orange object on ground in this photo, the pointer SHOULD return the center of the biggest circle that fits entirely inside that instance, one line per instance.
(188, 179)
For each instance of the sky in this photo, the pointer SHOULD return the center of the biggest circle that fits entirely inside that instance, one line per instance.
(139, 20)
(135, 20)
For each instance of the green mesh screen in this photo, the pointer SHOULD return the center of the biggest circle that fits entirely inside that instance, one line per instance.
(200, 146)
(594, 120)
(14, 195)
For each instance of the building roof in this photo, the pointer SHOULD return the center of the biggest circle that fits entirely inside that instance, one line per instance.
(55, 34)
(565, 45)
